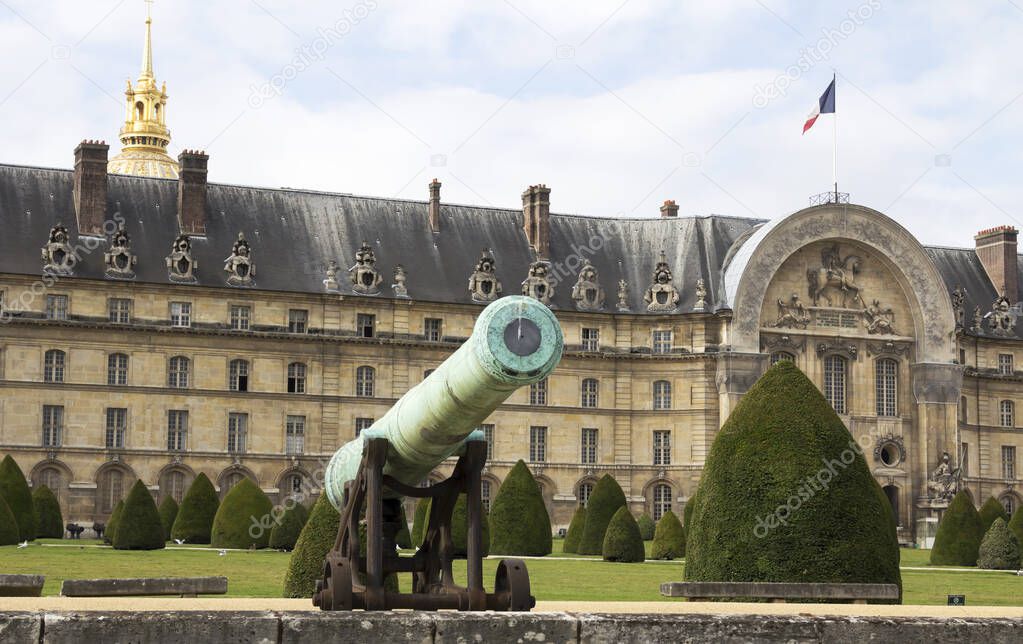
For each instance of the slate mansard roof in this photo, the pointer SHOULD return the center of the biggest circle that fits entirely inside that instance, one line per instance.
(294, 234)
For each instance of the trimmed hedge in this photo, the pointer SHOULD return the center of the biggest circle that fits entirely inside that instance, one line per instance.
(420, 521)
(519, 521)
(460, 528)
(646, 526)
(1016, 524)
(604, 501)
(991, 510)
(168, 513)
(669, 538)
(575, 530)
(199, 506)
(140, 527)
(957, 542)
(14, 489)
(1000, 548)
(687, 511)
(113, 522)
(767, 510)
(622, 540)
(285, 532)
(8, 525)
(315, 541)
(241, 520)
(49, 522)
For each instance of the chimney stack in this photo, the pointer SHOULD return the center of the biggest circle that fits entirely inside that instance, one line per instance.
(996, 249)
(435, 206)
(536, 218)
(90, 186)
(669, 209)
(192, 192)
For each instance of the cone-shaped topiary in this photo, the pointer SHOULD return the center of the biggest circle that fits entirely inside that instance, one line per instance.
(14, 489)
(50, 523)
(1016, 524)
(199, 506)
(669, 538)
(604, 501)
(460, 528)
(139, 527)
(646, 526)
(957, 542)
(990, 511)
(244, 519)
(420, 521)
(575, 530)
(168, 513)
(786, 495)
(113, 522)
(285, 532)
(519, 523)
(315, 541)
(404, 538)
(1000, 548)
(622, 541)
(8, 525)
(687, 511)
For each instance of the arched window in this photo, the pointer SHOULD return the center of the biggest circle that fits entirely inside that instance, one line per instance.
(111, 489)
(662, 500)
(293, 486)
(364, 380)
(173, 485)
(140, 111)
(589, 392)
(886, 378)
(53, 365)
(177, 372)
(485, 494)
(1009, 503)
(296, 378)
(53, 478)
(229, 481)
(238, 372)
(835, 372)
(1007, 413)
(584, 492)
(117, 369)
(662, 394)
(778, 356)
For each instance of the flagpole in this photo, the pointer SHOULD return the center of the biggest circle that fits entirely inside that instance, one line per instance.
(834, 148)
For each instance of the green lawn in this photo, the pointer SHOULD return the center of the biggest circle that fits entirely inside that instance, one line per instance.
(260, 573)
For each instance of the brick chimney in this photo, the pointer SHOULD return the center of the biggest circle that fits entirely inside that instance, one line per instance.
(192, 192)
(996, 249)
(669, 209)
(536, 218)
(435, 206)
(90, 186)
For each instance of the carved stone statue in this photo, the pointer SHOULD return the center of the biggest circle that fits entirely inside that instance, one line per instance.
(1001, 319)
(366, 279)
(537, 284)
(944, 481)
(400, 277)
(587, 292)
(483, 283)
(701, 296)
(661, 296)
(330, 283)
(58, 256)
(239, 266)
(958, 307)
(180, 265)
(623, 295)
(978, 319)
(792, 314)
(879, 320)
(835, 274)
(119, 259)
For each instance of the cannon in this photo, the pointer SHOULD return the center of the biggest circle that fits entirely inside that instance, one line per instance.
(516, 341)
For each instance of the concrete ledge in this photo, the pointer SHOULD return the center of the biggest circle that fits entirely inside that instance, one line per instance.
(142, 586)
(21, 585)
(780, 590)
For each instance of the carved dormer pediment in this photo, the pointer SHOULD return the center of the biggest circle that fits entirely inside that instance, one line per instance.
(537, 284)
(661, 296)
(59, 257)
(119, 259)
(240, 268)
(366, 279)
(587, 292)
(181, 267)
(483, 283)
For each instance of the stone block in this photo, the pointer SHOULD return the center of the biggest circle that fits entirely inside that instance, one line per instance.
(498, 628)
(172, 627)
(20, 627)
(347, 628)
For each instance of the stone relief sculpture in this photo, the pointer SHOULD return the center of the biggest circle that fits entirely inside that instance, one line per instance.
(837, 275)
(944, 481)
(330, 282)
(623, 295)
(792, 314)
(180, 265)
(978, 320)
(366, 279)
(483, 283)
(701, 296)
(958, 307)
(1002, 319)
(239, 266)
(661, 296)
(119, 259)
(587, 292)
(537, 284)
(879, 320)
(400, 277)
(58, 256)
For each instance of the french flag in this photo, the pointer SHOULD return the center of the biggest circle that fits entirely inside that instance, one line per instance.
(825, 105)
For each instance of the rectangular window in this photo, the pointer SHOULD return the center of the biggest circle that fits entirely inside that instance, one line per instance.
(1005, 364)
(240, 316)
(362, 424)
(295, 435)
(538, 393)
(886, 373)
(488, 434)
(237, 430)
(181, 314)
(537, 444)
(177, 430)
(588, 392)
(835, 371)
(591, 339)
(119, 310)
(117, 424)
(588, 453)
(1008, 462)
(662, 448)
(432, 329)
(56, 307)
(53, 425)
(365, 325)
(298, 320)
(662, 341)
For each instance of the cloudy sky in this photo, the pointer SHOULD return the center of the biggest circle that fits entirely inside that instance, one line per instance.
(615, 105)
